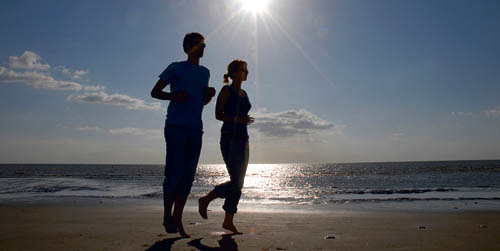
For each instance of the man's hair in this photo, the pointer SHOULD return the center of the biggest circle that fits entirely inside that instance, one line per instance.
(190, 40)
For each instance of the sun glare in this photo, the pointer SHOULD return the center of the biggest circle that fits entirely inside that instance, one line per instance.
(255, 6)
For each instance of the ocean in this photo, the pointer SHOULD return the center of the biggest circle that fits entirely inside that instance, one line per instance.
(473, 185)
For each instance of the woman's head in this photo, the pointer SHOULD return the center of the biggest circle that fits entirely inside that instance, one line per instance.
(236, 70)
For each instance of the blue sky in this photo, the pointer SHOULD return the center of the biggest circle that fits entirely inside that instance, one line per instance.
(330, 81)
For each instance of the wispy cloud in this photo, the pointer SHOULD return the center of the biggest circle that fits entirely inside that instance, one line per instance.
(28, 60)
(150, 134)
(41, 80)
(78, 73)
(290, 123)
(495, 112)
(115, 100)
(74, 74)
(63, 69)
(89, 129)
(462, 113)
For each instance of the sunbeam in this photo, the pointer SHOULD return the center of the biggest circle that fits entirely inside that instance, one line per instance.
(220, 26)
(255, 6)
(297, 45)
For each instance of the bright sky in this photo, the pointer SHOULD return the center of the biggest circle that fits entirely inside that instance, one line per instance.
(330, 81)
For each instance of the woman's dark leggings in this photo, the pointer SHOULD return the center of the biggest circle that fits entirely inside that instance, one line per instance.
(235, 152)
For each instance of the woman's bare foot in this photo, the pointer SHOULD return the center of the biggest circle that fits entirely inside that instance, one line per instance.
(231, 227)
(202, 207)
(228, 223)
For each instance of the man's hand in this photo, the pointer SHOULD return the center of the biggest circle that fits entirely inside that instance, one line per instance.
(179, 97)
(209, 94)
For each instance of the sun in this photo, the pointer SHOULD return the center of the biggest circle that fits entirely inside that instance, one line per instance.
(255, 6)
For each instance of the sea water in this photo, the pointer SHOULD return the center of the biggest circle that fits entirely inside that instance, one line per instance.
(336, 186)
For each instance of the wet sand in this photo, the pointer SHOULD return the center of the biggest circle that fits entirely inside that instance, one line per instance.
(129, 227)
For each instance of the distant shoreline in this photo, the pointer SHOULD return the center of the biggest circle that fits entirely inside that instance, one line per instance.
(258, 163)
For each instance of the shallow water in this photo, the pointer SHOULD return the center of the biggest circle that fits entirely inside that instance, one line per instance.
(316, 186)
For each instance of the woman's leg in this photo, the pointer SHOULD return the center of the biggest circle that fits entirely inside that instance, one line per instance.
(204, 201)
(237, 170)
(220, 190)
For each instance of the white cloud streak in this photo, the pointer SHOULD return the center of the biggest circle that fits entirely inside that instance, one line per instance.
(63, 69)
(74, 74)
(290, 123)
(28, 60)
(149, 134)
(78, 73)
(41, 80)
(462, 113)
(115, 100)
(495, 112)
(135, 131)
(89, 129)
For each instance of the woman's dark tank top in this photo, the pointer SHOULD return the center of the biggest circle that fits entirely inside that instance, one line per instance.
(236, 106)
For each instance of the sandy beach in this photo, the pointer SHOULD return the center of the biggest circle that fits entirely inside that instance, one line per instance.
(104, 226)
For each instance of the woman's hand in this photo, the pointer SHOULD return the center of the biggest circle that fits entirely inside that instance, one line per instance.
(245, 120)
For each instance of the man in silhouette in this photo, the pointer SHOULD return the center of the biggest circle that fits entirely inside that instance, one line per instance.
(189, 92)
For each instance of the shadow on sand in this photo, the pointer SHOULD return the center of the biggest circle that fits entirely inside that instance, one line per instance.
(227, 243)
(164, 245)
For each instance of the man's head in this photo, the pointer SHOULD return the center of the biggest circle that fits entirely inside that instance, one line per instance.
(194, 44)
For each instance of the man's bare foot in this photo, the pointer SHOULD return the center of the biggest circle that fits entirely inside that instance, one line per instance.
(181, 229)
(202, 207)
(231, 227)
(169, 225)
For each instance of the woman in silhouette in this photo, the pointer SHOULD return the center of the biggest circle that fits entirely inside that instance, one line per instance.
(231, 108)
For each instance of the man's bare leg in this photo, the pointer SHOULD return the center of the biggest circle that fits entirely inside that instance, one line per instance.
(168, 221)
(180, 202)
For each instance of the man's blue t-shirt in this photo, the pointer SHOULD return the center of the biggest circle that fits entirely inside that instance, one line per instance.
(184, 76)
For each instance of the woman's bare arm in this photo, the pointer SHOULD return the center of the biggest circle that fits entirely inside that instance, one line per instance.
(219, 109)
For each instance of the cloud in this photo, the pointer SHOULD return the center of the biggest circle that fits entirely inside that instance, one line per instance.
(78, 73)
(89, 129)
(75, 74)
(63, 69)
(462, 113)
(135, 131)
(495, 112)
(115, 100)
(150, 134)
(290, 123)
(28, 60)
(41, 80)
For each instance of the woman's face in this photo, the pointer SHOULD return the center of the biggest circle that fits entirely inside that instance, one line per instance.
(241, 73)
